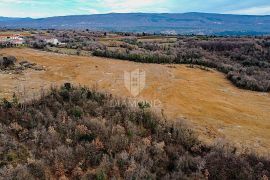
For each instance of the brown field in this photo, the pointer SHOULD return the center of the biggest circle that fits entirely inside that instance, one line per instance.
(206, 100)
(24, 33)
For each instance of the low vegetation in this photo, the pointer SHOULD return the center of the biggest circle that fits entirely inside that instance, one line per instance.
(7, 62)
(245, 60)
(78, 133)
(10, 64)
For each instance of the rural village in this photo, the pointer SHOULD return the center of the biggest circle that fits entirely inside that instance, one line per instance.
(17, 40)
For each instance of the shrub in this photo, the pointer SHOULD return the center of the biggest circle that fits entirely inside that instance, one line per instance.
(65, 139)
(6, 104)
(228, 55)
(7, 61)
(77, 112)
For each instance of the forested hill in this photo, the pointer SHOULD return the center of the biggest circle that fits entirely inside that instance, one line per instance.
(186, 23)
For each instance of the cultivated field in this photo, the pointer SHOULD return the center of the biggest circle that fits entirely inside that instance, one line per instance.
(204, 99)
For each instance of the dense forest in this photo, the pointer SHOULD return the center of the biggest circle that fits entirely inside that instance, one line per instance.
(78, 133)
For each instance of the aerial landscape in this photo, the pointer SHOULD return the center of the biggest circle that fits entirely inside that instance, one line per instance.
(125, 89)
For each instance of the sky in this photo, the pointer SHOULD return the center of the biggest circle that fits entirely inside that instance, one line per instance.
(48, 8)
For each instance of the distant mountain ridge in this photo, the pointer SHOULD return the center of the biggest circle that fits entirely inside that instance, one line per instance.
(169, 23)
(8, 19)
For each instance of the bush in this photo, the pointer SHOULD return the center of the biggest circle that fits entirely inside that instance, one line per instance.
(227, 55)
(7, 61)
(89, 138)
(6, 104)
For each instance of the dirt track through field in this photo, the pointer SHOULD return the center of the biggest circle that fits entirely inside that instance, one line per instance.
(206, 100)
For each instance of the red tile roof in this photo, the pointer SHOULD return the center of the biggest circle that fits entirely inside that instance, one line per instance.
(9, 35)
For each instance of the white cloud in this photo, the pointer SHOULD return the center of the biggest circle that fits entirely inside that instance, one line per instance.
(90, 10)
(261, 10)
(18, 1)
(135, 5)
(11, 1)
(43, 8)
(12, 13)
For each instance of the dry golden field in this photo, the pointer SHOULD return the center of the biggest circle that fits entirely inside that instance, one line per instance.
(217, 110)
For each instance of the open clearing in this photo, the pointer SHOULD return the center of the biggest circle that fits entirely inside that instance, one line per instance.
(206, 100)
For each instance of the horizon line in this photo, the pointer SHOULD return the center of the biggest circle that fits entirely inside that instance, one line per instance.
(135, 13)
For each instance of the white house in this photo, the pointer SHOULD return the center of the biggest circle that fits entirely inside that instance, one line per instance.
(53, 41)
(48, 39)
(18, 41)
(14, 39)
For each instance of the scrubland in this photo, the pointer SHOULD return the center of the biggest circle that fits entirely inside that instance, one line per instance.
(78, 133)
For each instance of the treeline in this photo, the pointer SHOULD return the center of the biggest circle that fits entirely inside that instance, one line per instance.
(77, 133)
(137, 57)
(246, 62)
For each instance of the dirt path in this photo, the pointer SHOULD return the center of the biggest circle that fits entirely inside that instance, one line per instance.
(216, 109)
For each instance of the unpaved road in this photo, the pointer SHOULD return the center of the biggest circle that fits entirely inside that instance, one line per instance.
(208, 101)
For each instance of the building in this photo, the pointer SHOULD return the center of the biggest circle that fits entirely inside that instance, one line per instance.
(11, 39)
(48, 39)
(17, 42)
(53, 41)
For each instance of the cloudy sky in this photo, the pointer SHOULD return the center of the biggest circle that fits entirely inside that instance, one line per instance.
(46, 8)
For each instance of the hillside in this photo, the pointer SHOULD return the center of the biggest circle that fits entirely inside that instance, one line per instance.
(186, 23)
(77, 133)
(214, 107)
